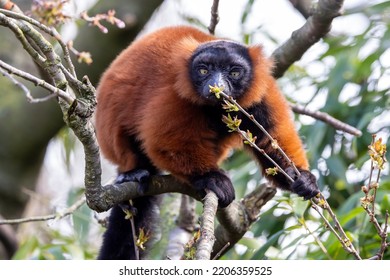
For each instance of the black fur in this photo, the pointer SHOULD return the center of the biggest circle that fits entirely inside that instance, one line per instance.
(305, 184)
(261, 113)
(118, 243)
(143, 161)
(218, 182)
(220, 59)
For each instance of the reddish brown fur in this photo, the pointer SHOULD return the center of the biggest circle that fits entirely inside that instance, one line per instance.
(147, 92)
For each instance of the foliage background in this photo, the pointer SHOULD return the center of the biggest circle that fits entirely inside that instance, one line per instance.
(346, 75)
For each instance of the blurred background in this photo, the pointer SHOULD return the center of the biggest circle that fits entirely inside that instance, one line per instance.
(346, 75)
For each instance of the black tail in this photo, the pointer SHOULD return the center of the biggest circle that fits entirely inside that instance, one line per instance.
(118, 243)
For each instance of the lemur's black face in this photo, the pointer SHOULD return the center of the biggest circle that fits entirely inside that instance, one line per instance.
(224, 64)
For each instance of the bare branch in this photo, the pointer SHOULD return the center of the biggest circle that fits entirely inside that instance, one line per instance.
(377, 151)
(302, 6)
(16, 83)
(50, 31)
(337, 229)
(326, 118)
(227, 98)
(9, 5)
(109, 17)
(207, 238)
(235, 219)
(214, 17)
(316, 27)
(222, 251)
(76, 112)
(55, 216)
(43, 55)
(38, 82)
(14, 26)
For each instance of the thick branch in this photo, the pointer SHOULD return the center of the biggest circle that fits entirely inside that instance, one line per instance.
(236, 219)
(207, 238)
(302, 6)
(214, 17)
(51, 31)
(102, 198)
(316, 27)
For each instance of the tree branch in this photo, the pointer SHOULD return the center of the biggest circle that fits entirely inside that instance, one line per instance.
(337, 230)
(50, 31)
(57, 215)
(235, 220)
(10, 6)
(205, 243)
(316, 27)
(214, 17)
(326, 118)
(302, 6)
(55, 92)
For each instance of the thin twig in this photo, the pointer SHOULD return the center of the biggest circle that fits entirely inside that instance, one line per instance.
(109, 17)
(317, 240)
(326, 118)
(55, 216)
(50, 31)
(38, 82)
(252, 118)
(16, 83)
(43, 54)
(346, 243)
(260, 150)
(375, 190)
(377, 152)
(320, 201)
(384, 236)
(135, 237)
(13, 25)
(221, 251)
(26, 91)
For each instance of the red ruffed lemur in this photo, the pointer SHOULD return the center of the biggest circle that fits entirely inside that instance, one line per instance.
(156, 113)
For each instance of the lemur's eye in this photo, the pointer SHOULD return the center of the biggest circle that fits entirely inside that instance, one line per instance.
(203, 71)
(235, 74)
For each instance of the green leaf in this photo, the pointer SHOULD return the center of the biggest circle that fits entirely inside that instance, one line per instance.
(385, 204)
(81, 217)
(26, 249)
(337, 169)
(300, 206)
(260, 254)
